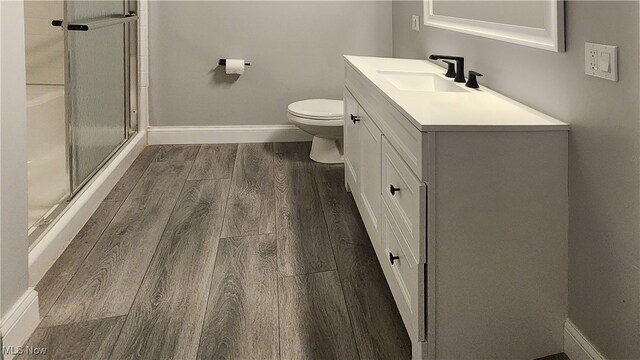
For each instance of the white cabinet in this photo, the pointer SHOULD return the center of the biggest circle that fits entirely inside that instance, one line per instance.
(370, 155)
(469, 225)
(362, 157)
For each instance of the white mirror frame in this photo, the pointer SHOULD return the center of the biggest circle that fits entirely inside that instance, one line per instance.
(550, 38)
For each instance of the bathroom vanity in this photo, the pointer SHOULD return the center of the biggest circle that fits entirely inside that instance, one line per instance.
(463, 193)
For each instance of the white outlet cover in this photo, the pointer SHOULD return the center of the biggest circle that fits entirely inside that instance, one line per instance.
(415, 22)
(594, 54)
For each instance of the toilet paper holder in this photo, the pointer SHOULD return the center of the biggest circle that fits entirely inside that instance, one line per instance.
(223, 62)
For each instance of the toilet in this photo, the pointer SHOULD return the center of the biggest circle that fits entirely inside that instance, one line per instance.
(323, 119)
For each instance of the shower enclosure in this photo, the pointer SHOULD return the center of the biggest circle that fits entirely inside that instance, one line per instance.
(81, 115)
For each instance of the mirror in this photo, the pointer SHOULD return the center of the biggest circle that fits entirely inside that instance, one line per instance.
(535, 23)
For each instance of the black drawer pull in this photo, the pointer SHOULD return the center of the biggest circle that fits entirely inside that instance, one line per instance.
(393, 258)
(393, 190)
(355, 118)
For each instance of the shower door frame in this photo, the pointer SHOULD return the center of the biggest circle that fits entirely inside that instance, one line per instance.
(131, 120)
(130, 126)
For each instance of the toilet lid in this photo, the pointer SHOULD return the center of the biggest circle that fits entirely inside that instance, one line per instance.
(318, 109)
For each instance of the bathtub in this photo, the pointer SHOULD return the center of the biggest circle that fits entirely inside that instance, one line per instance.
(46, 159)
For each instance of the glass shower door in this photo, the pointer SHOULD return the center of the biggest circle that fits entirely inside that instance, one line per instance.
(96, 41)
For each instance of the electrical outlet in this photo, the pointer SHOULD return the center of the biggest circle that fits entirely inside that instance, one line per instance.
(593, 59)
(601, 61)
(415, 23)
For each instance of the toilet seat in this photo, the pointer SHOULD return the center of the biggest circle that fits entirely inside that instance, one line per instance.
(317, 109)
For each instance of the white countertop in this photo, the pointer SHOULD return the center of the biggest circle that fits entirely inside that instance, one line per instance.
(472, 110)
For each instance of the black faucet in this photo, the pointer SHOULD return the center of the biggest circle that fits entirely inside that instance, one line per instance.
(459, 65)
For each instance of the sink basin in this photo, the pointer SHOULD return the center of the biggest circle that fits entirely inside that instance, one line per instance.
(420, 81)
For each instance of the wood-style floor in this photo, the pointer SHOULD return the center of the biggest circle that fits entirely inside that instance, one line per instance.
(246, 251)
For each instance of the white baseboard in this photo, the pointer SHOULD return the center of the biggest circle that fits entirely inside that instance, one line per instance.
(18, 324)
(577, 346)
(161, 135)
(45, 253)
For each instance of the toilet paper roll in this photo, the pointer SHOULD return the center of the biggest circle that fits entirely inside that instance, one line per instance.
(235, 66)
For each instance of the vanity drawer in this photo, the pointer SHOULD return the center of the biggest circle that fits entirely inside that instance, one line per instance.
(406, 197)
(404, 276)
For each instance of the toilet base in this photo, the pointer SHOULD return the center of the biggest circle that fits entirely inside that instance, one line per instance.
(327, 151)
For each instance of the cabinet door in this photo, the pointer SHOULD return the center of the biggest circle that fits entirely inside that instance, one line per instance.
(351, 142)
(371, 176)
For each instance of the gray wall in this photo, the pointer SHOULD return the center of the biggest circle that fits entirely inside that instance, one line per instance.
(604, 149)
(14, 262)
(295, 50)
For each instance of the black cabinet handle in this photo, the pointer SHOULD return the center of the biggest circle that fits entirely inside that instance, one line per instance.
(393, 258)
(355, 118)
(393, 190)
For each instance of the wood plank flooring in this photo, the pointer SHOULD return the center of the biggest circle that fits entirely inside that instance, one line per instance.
(177, 153)
(107, 281)
(242, 315)
(251, 197)
(314, 322)
(303, 241)
(87, 340)
(167, 314)
(133, 174)
(214, 161)
(55, 280)
(246, 251)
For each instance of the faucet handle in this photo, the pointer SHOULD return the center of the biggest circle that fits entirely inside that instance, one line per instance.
(473, 82)
(451, 71)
